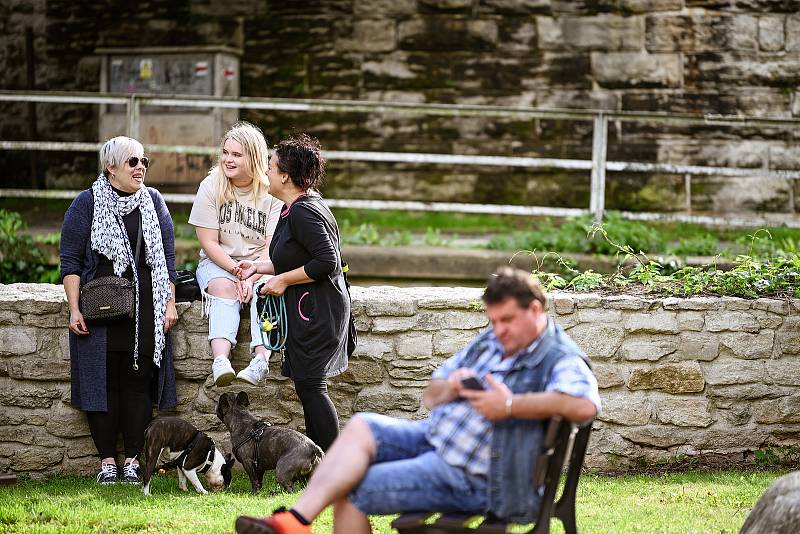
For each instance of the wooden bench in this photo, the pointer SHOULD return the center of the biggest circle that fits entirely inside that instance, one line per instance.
(560, 438)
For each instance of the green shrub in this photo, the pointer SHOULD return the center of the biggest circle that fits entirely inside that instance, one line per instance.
(21, 259)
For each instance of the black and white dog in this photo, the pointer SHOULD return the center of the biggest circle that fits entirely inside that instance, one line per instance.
(177, 442)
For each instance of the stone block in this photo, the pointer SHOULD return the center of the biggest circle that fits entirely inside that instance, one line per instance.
(626, 302)
(32, 458)
(731, 371)
(26, 395)
(373, 346)
(650, 347)
(390, 304)
(599, 316)
(731, 322)
(766, 320)
(67, 422)
(17, 340)
(608, 375)
(588, 300)
(391, 325)
(701, 32)
(384, 399)
(598, 341)
(698, 346)
(783, 371)
(770, 33)
(793, 33)
(438, 320)
(411, 369)
(624, 408)
(783, 410)
(740, 392)
(654, 436)
(693, 303)
(415, 345)
(384, 8)
(562, 304)
(8, 317)
(686, 377)
(362, 372)
(192, 368)
(448, 342)
(691, 321)
(38, 368)
(450, 298)
(371, 36)
(52, 320)
(683, 411)
(747, 346)
(652, 323)
(32, 299)
(649, 6)
(516, 6)
(637, 70)
(745, 438)
(780, 307)
(599, 32)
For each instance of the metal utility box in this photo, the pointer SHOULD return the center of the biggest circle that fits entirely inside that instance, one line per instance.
(196, 71)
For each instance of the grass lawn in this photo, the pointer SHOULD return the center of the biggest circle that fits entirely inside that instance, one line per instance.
(712, 502)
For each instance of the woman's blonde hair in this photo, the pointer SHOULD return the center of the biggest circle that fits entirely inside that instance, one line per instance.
(256, 161)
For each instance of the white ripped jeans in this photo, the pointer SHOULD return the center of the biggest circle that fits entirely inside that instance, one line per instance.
(223, 314)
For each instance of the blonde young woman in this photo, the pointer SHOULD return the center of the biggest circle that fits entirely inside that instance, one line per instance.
(234, 217)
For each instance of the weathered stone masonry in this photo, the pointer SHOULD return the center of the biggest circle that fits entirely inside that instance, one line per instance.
(711, 376)
(695, 56)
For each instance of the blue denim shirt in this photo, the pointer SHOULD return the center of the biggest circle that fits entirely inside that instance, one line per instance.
(515, 443)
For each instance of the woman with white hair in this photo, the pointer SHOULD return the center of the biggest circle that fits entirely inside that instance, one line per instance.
(119, 368)
(234, 217)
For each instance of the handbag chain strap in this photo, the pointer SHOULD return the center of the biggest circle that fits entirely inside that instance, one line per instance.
(134, 269)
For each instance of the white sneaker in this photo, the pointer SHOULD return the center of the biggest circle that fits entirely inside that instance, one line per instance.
(223, 372)
(255, 372)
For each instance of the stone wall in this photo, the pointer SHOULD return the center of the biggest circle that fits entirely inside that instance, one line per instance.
(709, 56)
(700, 377)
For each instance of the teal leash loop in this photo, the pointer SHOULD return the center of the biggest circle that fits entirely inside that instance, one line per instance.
(272, 321)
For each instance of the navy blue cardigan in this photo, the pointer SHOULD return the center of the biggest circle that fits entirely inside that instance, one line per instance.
(88, 353)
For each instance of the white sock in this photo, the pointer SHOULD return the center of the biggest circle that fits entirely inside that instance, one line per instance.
(220, 356)
(262, 356)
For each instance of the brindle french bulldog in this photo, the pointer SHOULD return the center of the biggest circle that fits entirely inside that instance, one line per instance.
(259, 446)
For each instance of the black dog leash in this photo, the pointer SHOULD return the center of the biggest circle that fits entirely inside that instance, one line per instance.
(255, 434)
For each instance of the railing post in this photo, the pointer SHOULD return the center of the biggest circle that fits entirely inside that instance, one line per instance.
(133, 117)
(687, 187)
(599, 148)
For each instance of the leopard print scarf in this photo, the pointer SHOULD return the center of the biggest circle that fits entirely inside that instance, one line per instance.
(110, 239)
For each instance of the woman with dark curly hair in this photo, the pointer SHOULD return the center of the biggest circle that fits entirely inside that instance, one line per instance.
(307, 265)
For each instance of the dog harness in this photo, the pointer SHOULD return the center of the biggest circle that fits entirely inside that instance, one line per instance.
(180, 461)
(255, 435)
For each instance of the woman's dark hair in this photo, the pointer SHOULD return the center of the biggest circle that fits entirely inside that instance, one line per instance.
(509, 282)
(300, 158)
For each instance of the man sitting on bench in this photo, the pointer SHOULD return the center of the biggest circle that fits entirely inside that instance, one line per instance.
(475, 452)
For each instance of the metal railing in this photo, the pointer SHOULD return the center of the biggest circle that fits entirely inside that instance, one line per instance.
(598, 165)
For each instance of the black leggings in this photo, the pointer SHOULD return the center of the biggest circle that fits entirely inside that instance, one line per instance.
(322, 421)
(129, 405)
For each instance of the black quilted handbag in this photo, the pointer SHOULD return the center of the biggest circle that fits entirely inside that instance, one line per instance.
(107, 298)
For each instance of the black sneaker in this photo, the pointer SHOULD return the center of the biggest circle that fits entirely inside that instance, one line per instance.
(107, 474)
(130, 474)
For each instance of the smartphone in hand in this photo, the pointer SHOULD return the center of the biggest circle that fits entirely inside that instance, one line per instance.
(472, 383)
